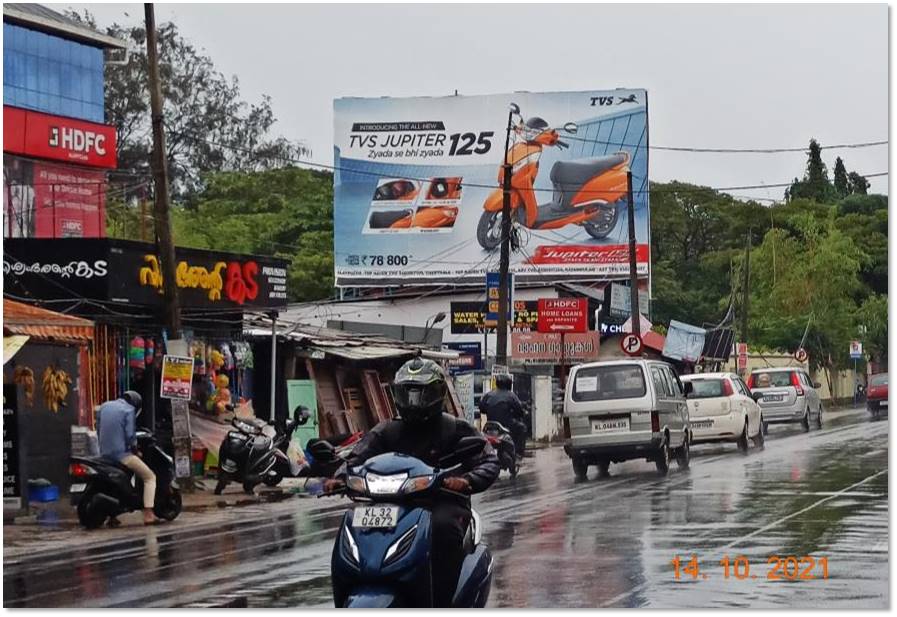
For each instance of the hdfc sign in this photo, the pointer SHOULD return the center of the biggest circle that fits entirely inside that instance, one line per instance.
(62, 139)
(563, 315)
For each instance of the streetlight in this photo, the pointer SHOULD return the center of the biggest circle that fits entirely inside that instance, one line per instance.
(432, 321)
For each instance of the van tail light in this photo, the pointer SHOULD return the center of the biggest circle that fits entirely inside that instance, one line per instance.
(795, 381)
(77, 470)
(750, 383)
(727, 388)
(655, 422)
(566, 428)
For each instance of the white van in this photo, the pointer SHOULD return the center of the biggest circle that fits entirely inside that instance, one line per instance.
(625, 409)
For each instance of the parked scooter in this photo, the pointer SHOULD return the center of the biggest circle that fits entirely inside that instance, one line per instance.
(381, 557)
(250, 456)
(103, 488)
(501, 439)
(586, 191)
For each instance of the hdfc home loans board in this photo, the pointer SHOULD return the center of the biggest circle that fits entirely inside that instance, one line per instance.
(417, 186)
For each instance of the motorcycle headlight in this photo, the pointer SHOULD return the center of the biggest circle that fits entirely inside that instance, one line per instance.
(413, 485)
(385, 485)
(356, 484)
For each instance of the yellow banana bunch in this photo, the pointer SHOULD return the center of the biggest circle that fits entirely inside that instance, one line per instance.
(24, 376)
(56, 387)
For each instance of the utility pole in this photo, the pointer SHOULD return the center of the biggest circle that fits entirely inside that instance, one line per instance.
(634, 312)
(164, 243)
(501, 338)
(745, 292)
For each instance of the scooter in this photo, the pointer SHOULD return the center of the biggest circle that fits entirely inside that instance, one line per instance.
(250, 455)
(587, 192)
(381, 557)
(501, 439)
(103, 488)
(426, 217)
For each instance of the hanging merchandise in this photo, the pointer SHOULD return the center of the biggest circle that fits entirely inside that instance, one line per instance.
(150, 351)
(137, 353)
(243, 355)
(219, 401)
(228, 357)
(199, 360)
(24, 376)
(216, 359)
(56, 387)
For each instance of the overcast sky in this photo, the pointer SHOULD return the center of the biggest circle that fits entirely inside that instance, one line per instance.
(718, 76)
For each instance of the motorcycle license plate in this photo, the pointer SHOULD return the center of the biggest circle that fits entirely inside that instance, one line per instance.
(884, 403)
(77, 488)
(375, 517)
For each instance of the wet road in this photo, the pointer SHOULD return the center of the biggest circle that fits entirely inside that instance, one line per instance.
(556, 543)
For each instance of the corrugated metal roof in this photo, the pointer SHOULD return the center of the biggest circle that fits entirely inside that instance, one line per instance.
(44, 18)
(41, 324)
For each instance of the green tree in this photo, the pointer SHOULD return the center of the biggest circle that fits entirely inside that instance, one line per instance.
(873, 317)
(815, 184)
(858, 184)
(841, 183)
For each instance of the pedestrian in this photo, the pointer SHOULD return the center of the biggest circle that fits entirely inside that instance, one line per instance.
(117, 432)
(502, 405)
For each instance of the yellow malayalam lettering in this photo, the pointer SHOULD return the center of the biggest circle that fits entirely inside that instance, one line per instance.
(186, 276)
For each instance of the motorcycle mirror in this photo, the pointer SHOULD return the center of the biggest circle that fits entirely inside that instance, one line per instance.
(757, 396)
(515, 108)
(467, 447)
(301, 415)
(571, 127)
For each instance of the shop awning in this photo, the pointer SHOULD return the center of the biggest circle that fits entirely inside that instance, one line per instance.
(595, 293)
(12, 344)
(43, 325)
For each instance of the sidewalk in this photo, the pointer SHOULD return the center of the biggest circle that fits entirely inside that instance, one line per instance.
(54, 525)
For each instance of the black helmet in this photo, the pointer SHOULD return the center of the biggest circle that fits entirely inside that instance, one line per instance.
(419, 391)
(503, 381)
(536, 123)
(133, 399)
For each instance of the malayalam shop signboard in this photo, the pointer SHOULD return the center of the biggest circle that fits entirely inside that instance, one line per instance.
(129, 272)
(564, 315)
(540, 348)
(417, 197)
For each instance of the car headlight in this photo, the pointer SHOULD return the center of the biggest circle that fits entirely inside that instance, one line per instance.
(385, 485)
(413, 485)
(356, 484)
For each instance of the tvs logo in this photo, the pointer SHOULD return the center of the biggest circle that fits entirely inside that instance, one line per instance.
(77, 140)
(597, 101)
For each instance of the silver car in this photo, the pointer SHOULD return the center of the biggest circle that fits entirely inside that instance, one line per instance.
(789, 395)
(625, 409)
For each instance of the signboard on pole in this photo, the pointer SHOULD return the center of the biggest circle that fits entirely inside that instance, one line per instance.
(471, 358)
(801, 355)
(741, 361)
(177, 377)
(546, 349)
(856, 350)
(566, 315)
(631, 344)
(493, 282)
(620, 301)
(417, 199)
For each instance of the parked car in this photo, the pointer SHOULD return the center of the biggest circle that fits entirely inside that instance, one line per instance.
(789, 395)
(625, 409)
(877, 394)
(722, 408)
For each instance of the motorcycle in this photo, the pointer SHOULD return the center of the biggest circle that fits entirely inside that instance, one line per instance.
(251, 455)
(587, 192)
(381, 556)
(103, 488)
(501, 439)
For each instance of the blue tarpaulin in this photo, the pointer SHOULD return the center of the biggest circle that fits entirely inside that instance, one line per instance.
(684, 342)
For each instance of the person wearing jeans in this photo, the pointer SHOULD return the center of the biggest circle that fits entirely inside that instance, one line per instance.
(116, 428)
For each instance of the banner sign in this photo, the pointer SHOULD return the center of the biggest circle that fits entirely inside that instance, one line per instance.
(177, 377)
(563, 315)
(856, 350)
(620, 301)
(470, 317)
(59, 138)
(464, 389)
(417, 198)
(493, 282)
(129, 272)
(471, 358)
(538, 348)
(12, 476)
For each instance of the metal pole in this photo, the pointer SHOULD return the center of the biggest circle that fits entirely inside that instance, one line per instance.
(501, 341)
(745, 293)
(634, 312)
(563, 361)
(271, 414)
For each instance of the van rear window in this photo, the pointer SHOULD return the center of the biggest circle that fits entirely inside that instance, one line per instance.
(598, 383)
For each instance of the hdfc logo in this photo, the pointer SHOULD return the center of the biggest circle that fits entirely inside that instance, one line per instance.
(79, 143)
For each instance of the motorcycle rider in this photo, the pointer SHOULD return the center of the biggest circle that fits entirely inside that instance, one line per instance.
(424, 431)
(117, 434)
(502, 405)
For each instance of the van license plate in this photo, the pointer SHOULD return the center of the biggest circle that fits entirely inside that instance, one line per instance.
(77, 488)
(375, 517)
(610, 425)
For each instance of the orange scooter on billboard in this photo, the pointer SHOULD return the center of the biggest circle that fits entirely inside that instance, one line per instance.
(586, 191)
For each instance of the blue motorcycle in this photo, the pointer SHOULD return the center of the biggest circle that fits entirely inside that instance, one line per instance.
(381, 557)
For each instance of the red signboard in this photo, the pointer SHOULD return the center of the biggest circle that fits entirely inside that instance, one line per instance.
(538, 348)
(611, 259)
(563, 315)
(62, 139)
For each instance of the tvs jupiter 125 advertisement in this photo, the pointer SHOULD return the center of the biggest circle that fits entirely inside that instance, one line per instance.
(418, 195)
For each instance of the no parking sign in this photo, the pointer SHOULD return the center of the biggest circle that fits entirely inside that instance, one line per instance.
(631, 344)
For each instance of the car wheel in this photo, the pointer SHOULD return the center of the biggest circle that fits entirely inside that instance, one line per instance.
(683, 455)
(580, 469)
(759, 441)
(743, 439)
(819, 418)
(806, 421)
(603, 468)
(765, 430)
(663, 459)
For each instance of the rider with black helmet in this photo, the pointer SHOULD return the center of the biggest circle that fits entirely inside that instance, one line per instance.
(502, 405)
(117, 433)
(424, 431)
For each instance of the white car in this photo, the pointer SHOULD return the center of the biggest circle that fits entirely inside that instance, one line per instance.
(722, 408)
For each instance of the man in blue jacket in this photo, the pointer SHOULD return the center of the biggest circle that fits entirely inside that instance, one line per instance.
(117, 432)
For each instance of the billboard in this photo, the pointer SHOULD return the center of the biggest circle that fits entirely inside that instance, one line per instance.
(417, 197)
